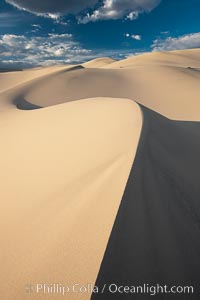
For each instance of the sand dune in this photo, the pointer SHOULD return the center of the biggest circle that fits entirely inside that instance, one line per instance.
(9, 80)
(65, 165)
(57, 168)
(183, 58)
(99, 62)
(135, 78)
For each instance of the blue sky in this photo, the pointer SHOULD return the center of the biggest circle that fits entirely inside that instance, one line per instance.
(45, 32)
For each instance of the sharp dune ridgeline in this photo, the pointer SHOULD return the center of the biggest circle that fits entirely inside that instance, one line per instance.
(69, 137)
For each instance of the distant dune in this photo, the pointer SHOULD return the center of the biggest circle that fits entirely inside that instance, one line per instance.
(99, 62)
(69, 136)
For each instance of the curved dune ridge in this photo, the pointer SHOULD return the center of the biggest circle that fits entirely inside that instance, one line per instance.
(69, 136)
(143, 78)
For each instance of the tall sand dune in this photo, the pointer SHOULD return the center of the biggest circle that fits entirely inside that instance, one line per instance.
(69, 136)
(62, 169)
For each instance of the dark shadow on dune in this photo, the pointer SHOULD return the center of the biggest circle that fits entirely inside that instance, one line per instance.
(21, 103)
(155, 236)
(193, 69)
(78, 67)
(68, 70)
(2, 70)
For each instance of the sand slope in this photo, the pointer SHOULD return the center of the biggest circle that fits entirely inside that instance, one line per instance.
(65, 166)
(61, 169)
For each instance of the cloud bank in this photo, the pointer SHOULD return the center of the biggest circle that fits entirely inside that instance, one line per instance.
(187, 41)
(107, 9)
(59, 7)
(22, 51)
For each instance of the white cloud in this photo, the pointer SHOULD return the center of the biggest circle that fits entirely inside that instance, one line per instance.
(37, 26)
(41, 50)
(118, 9)
(133, 15)
(165, 32)
(179, 43)
(136, 37)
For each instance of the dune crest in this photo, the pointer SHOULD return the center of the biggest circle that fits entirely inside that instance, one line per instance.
(99, 62)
